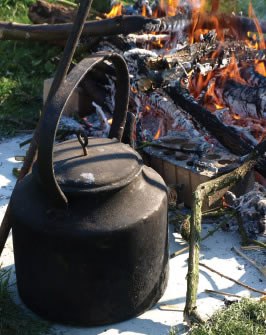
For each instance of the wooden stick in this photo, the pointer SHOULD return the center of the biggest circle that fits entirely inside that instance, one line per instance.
(223, 293)
(119, 25)
(179, 252)
(53, 32)
(201, 192)
(262, 269)
(233, 280)
(59, 76)
(67, 3)
(211, 232)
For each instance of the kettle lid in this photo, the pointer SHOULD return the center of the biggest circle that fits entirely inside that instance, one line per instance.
(109, 165)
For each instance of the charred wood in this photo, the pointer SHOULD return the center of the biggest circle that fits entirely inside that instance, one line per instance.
(242, 99)
(231, 140)
(45, 12)
(252, 77)
(239, 25)
(118, 25)
(226, 135)
(144, 38)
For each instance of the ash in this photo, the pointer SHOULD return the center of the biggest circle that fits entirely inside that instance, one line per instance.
(252, 208)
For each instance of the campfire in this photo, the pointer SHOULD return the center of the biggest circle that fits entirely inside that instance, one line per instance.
(197, 96)
(197, 104)
(198, 80)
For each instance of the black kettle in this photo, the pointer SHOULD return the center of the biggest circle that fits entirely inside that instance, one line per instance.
(90, 230)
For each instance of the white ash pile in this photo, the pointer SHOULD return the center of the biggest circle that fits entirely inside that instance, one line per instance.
(252, 208)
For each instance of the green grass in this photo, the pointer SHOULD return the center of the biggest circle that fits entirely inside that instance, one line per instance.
(13, 319)
(23, 67)
(244, 318)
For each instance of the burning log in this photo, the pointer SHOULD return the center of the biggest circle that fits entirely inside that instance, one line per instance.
(144, 38)
(120, 25)
(242, 99)
(252, 77)
(238, 25)
(226, 135)
(208, 120)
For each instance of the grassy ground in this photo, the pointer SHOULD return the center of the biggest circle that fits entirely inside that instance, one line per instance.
(23, 67)
(244, 318)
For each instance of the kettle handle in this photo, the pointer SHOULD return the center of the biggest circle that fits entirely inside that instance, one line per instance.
(55, 108)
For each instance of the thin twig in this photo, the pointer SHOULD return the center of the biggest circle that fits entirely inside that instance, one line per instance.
(231, 279)
(67, 3)
(224, 293)
(210, 232)
(262, 269)
(179, 252)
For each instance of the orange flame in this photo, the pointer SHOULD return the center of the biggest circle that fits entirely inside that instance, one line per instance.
(158, 134)
(232, 72)
(211, 99)
(171, 7)
(116, 10)
(144, 11)
(252, 15)
(198, 13)
(260, 67)
(198, 83)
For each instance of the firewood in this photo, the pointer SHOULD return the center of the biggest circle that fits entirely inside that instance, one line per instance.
(239, 25)
(223, 293)
(232, 279)
(119, 25)
(208, 120)
(242, 99)
(252, 77)
(144, 38)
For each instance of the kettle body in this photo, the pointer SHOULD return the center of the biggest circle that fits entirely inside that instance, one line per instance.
(103, 257)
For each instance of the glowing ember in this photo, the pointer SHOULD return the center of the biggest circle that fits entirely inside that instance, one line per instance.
(232, 72)
(260, 67)
(144, 11)
(198, 9)
(212, 81)
(133, 89)
(211, 99)
(158, 134)
(236, 117)
(116, 10)
(171, 7)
